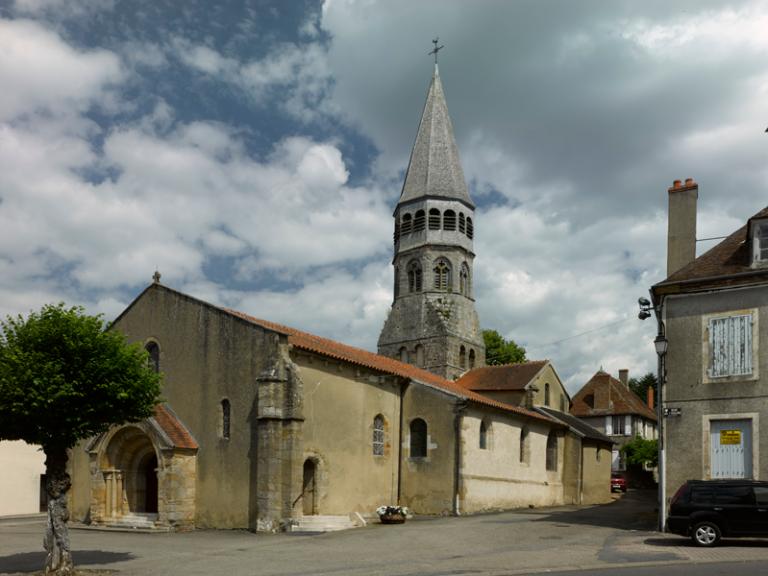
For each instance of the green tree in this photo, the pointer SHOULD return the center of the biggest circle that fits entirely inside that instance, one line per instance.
(641, 451)
(65, 377)
(640, 385)
(498, 350)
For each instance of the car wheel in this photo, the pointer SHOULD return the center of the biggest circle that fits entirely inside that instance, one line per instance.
(705, 534)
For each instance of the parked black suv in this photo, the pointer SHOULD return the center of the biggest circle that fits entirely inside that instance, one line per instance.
(706, 510)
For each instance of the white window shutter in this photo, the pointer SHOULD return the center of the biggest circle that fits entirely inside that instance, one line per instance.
(730, 341)
(608, 425)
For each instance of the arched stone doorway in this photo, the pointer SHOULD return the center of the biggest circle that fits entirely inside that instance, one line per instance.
(144, 474)
(309, 488)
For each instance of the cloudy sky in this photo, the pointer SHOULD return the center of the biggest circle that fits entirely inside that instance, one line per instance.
(253, 153)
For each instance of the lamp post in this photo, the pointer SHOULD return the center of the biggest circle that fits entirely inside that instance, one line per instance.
(660, 343)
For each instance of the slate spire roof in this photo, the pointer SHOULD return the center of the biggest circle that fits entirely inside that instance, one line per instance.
(435, 169)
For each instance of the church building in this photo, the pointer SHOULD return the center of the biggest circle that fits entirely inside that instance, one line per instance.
(266, 427)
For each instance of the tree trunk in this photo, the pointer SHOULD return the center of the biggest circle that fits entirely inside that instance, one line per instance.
(59, 558)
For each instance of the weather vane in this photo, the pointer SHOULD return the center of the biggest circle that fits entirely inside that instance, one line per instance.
(436, 49)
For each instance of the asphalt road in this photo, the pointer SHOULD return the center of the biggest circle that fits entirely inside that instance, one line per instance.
(614, 537)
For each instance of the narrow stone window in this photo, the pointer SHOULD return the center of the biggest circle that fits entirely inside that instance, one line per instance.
(414, 276)
(464, 280)
(483, 435)
(153, 361)
(552, 451)
(471, 358)
(419, 355)
(524, 445)
(434, 219)
(406, 224)
(418, 438)
(546, 394)
(442, 275)
(462, 357)
(397, 281)
(378, 435)
(462, 222)
(470, 229)
(562, 403)
(226, 415)
(597, 454)
(418, 221)
(449, 220)
(403, 353)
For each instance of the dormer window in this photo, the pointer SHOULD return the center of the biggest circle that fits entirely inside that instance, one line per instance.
(760, 243)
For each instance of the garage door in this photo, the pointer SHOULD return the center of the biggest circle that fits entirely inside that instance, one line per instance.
(731, 448)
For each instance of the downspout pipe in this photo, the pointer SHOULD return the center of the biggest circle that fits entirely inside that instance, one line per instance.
(458, 420)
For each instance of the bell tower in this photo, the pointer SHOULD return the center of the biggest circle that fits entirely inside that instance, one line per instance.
(433, 323)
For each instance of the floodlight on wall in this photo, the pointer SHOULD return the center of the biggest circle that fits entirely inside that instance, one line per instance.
(645, 308)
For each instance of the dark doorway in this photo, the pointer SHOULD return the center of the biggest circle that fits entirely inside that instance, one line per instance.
(149, 471)
(309, 487)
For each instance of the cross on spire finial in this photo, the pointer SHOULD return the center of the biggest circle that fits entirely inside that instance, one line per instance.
(436, 49)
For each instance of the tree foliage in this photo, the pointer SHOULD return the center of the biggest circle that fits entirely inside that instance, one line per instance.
(641, 451)
(64, 377)
(499, 350)
(640, 385)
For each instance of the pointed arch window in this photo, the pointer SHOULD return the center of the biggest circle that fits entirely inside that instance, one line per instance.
(378, 435)
(552, 451)
(462, 222)
(226, 419)
(464, 279)
(153, 361)
(434, 219)
(414, 276)
(462, 357)
(471, 358)
(418, 221)
(449, 220)
(470, 229)
(442, 273)
(406, 224)
(418, 443)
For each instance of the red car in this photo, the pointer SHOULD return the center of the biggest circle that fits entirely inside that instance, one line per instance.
(618, 482)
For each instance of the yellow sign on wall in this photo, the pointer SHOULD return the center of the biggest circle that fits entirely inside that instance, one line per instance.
(730, 437)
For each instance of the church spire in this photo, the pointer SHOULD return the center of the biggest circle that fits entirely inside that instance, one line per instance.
(434, 169)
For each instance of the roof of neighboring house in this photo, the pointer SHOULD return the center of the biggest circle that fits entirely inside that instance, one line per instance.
(729, 258)
(581, 427)
(169, 423)
(333, 349)
(503, 377)
(604, 386)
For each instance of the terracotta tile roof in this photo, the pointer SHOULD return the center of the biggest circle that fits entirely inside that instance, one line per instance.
(176, 431)
(729, 257)
(579, 426)
(339, 351)
(504, 377)
(609, 396)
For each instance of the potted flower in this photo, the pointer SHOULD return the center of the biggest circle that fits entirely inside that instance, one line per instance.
(392, 514)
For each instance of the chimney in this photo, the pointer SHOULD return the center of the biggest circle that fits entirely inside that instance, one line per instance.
(651, 395)
(624, 377)
(681, 231)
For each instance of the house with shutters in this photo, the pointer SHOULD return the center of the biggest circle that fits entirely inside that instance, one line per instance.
(713, 311)
(607, 404)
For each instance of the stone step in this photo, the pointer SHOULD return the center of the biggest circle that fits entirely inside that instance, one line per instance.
(323, 524)
(134, 520)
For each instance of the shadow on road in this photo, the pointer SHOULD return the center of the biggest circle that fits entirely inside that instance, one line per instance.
(724, 543)
(634, 510)
(34, 561)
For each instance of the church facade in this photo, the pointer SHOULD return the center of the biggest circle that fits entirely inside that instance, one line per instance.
(264, 426)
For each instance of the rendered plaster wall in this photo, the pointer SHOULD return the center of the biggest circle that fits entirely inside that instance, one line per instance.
(596, 472)
(427, 484)
(571, 471)
(22, 464)
(206, 356)
(699, 397)
(496, 478)
(340, 403)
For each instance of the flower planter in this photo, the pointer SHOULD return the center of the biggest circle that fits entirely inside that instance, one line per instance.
(392, 518)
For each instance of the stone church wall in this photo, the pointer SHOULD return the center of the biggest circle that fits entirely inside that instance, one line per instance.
(341, 401)
(496, 477)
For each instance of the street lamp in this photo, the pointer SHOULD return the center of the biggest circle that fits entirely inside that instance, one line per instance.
(661, 344)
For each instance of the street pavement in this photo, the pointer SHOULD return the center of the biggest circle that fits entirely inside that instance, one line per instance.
(608, 537)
